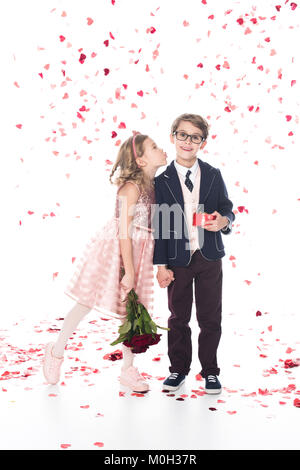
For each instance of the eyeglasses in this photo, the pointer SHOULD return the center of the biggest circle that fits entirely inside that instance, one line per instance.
(195, 138)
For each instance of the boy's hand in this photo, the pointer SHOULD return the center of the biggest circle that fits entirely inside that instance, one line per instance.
(215, 225)
(164, 276)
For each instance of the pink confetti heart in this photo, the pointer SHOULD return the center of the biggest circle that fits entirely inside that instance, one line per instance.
(65, 446)
(98, 444)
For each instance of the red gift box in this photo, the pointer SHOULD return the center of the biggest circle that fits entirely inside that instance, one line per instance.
(197, 218)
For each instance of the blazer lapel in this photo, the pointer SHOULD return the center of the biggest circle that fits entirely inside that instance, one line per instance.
(172, 181)
(206, 181)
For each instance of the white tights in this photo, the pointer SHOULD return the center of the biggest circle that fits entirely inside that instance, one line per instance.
(71, 321)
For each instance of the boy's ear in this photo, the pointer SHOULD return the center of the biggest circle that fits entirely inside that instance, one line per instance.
(172, 139)
(203, 145)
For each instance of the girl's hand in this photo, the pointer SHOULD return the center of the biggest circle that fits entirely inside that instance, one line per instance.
(164, 276)
(126, 284)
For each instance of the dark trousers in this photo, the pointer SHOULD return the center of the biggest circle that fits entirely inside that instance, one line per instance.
(208, 277)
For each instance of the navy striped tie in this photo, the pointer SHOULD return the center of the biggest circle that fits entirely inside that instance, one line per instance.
(188, 182)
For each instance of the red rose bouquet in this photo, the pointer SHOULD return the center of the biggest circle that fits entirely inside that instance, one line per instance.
(139, 331)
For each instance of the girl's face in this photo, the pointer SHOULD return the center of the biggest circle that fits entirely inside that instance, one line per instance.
(153, 156)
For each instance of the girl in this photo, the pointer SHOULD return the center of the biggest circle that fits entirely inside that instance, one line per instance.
(124, 244)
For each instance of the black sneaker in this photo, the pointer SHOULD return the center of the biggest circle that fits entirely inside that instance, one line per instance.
(212, 385)
(174, 381)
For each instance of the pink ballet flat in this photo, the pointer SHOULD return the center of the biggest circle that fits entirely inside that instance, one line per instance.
(132, 379)
(51, 365)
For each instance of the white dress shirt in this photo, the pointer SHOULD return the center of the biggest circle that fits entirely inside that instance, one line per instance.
(183, 170)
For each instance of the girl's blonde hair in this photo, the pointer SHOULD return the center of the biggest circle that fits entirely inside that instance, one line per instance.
(126, 162)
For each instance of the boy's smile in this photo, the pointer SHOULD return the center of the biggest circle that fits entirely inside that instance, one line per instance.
(186, 150)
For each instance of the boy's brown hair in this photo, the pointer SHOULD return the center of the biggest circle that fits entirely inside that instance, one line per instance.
(195, 119)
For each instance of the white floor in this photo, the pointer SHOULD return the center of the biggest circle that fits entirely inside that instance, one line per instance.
(87, 411)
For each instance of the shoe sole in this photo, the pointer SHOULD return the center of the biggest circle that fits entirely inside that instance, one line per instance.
(126, 384)
(172, 387)
(212, 391)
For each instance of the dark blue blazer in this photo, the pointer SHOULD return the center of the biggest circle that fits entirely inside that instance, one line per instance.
(213, 195)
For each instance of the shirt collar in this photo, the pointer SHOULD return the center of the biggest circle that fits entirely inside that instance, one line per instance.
(183, 169)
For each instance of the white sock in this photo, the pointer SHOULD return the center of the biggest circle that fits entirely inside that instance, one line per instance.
(128, 357)
(75, 315)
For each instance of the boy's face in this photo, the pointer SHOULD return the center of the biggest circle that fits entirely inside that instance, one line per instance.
(186, 150)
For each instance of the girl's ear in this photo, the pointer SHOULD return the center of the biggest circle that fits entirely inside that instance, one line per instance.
(140, 162)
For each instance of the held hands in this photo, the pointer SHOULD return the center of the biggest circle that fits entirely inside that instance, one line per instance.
(164, 276)
(214, 225)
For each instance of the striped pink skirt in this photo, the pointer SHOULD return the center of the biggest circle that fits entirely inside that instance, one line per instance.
(96, 280)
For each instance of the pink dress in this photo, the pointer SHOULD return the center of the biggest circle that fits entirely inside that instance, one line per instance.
(96, 280)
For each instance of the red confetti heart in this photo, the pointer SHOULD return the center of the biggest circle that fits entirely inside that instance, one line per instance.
(98, 444)
(82, 58)
(65, 446)
(288, 363)
(199, 377)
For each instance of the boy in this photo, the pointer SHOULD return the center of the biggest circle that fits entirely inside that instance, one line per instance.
(194, 253)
